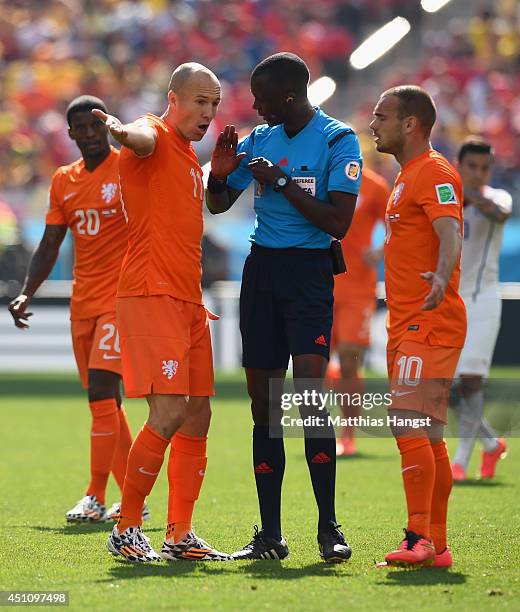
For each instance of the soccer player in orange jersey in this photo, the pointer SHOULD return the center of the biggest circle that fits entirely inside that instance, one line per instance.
(164, 327)
(354, 296)
(426, 315)
(84, 196)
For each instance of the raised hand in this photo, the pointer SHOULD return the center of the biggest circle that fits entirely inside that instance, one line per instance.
(115, 127)
(17, 309)
(225, 158)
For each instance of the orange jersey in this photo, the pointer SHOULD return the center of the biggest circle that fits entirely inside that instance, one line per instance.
(162, 196)
(426, 189)
(360, 279)
(89, 204)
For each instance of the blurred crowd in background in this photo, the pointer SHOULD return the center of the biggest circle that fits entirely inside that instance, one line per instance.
(123, 51)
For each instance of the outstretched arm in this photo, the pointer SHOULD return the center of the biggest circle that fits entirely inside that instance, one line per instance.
(487, 207)
(40, 267)
(450, 247)
(137, 137)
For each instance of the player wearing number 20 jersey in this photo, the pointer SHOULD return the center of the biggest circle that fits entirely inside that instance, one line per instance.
(89, 204)
(84, 197)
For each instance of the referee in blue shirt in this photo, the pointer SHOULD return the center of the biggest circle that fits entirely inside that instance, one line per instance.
(306, 168)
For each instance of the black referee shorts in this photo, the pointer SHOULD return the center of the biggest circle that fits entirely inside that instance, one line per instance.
(286, 305)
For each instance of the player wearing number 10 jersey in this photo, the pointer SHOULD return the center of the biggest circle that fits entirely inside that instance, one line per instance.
(84, 197)
(426, 316)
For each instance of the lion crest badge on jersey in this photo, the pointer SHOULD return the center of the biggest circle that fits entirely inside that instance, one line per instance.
(108, 191)
(446, 194)
(353, 170)
(169, 368)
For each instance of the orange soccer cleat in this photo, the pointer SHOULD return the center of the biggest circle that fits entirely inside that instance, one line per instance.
(414, 550)
(491, 458)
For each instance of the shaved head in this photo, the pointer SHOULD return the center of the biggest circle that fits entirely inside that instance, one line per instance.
(185, 73)
(193, 99)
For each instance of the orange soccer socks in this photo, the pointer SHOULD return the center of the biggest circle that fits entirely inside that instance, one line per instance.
(186, 468)
(418, 472)
(144, 464)
(122, 450)
(441, 494)
(104, 440)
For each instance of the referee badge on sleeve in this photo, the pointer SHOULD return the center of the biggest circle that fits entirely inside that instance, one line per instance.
(353, 170)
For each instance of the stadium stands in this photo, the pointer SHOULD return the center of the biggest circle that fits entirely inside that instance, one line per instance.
(123, 51)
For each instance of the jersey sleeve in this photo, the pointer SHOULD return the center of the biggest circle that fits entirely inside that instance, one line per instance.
(149, 121)
(345, 163)
(438, 191)
(241, 177)
(55, 213)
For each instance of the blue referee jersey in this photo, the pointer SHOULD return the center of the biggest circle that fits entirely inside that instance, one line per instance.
(323, 157)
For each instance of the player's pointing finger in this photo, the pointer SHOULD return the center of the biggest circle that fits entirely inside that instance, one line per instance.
(99, 114)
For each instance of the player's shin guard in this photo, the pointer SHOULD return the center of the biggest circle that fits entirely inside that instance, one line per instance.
(320, 452)
(104, 438)
(186, 468)
(418, 472)
(122, 450)
(144, 464)
(441, 494)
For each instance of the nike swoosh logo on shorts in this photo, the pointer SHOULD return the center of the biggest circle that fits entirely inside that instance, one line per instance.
(401, 393)
(143, 471)
(105, 356)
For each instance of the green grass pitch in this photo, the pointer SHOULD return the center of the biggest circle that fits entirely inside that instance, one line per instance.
(44, 470)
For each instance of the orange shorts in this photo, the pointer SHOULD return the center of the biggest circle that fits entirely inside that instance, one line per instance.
(96, 345)
(352, 321)
(421, 376)
(165, 346)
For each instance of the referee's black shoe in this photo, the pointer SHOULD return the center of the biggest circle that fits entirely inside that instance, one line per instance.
(262, 547)
(333, 546)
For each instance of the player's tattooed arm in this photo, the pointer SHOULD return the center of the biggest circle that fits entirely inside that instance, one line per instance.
(487, 207)
(138, 137)
(450, 248)
(40, 267)
(224, 160)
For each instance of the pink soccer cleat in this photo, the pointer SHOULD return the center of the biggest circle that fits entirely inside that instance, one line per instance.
(459, 473)
(491, 458)
(414, 551)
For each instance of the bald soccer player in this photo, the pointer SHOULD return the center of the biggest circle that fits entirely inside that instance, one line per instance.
(164, 327)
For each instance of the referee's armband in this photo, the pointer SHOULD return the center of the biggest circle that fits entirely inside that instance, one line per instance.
(216, 185)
